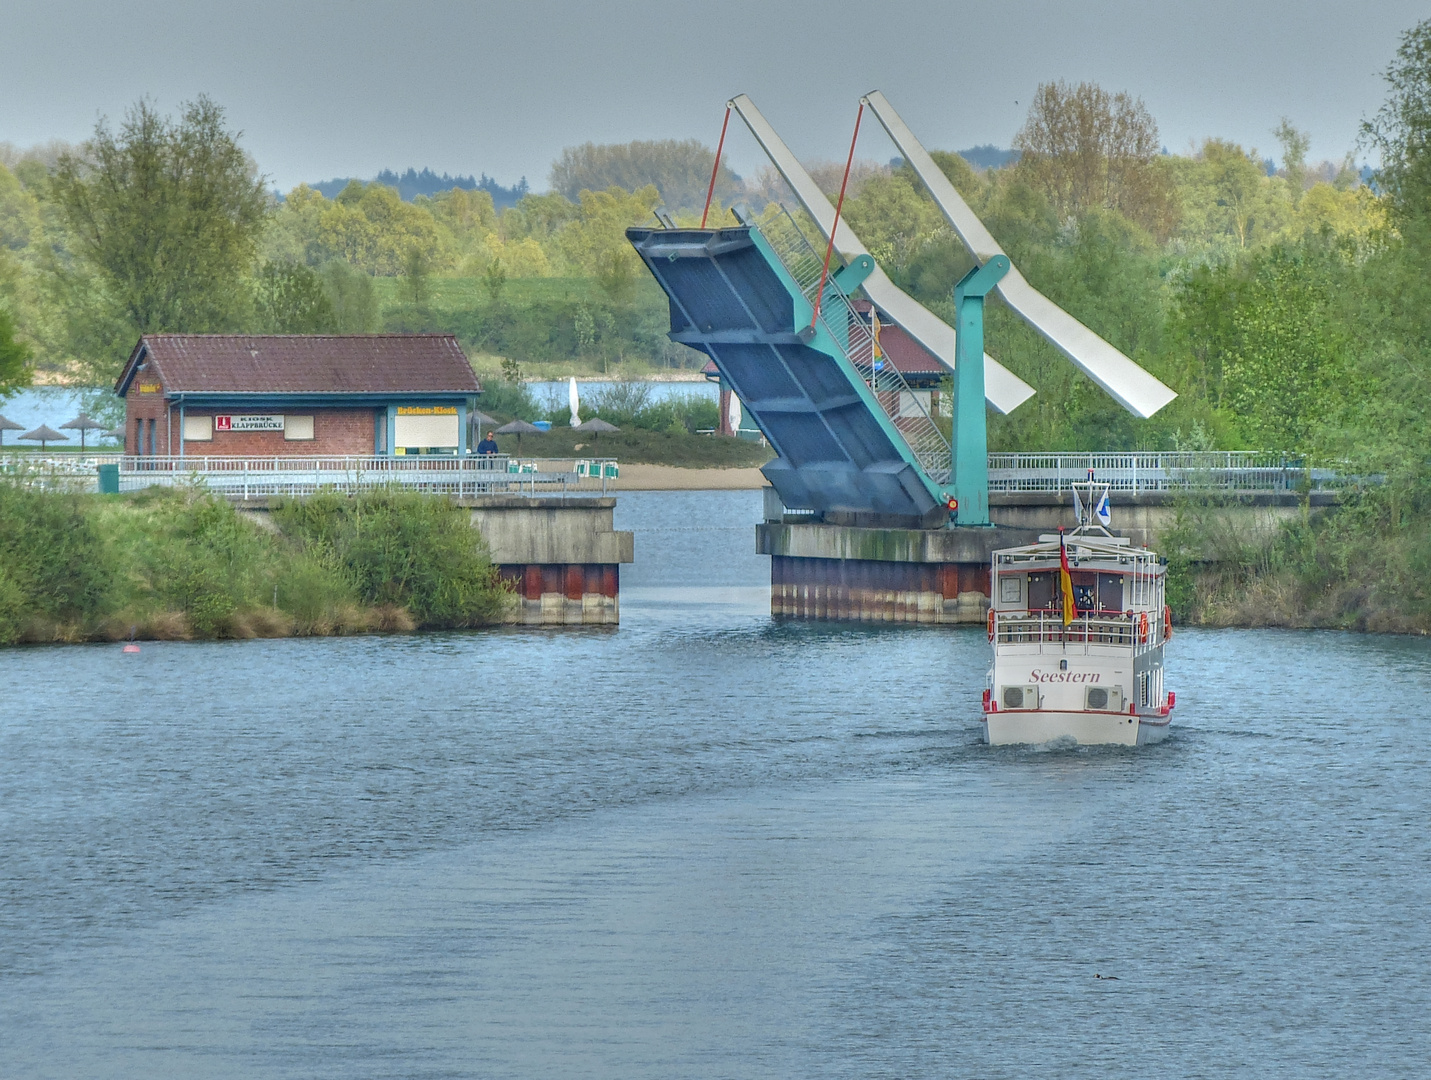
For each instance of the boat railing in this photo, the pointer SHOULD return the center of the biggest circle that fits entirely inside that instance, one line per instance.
(1045, 627)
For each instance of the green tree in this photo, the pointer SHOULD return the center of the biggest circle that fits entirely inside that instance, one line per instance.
(351, 295)
(15, 369)
(1288, 353)
(166, 216)
(1229, 204)
(1294, 155)
(417, 276)
(290, 298)
(1087, 149)
(679, 169)
(1401, 129)
(895, 219)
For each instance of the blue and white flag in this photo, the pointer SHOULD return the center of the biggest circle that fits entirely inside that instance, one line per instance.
(1101, 511)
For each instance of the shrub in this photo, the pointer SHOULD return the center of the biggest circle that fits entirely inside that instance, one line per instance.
(401, 548)
(54, 563)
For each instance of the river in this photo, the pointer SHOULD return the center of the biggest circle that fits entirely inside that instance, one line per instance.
(705, 845)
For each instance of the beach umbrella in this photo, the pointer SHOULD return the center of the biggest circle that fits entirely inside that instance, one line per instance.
(517, 428)
(477, 418)
(116, 433)
(8, 425)
(574, 401)
(44, 434)
(83, 423)
(596, 425)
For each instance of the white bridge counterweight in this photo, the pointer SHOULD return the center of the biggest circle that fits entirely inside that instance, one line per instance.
(1132, 387)
(1004, 390)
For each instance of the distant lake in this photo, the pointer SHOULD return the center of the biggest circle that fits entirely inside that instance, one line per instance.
(53, 405)
(556, 391)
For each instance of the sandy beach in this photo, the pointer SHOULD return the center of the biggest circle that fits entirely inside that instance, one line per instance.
(672, 478)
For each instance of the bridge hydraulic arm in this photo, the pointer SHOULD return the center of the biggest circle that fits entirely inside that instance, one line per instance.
(1006, 391)
(1132, 387)
(970, 445)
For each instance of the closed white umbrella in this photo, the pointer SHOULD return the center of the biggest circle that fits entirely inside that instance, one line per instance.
(575, 402)
(734, 415)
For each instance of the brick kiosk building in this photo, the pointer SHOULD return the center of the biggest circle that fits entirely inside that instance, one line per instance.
(233, 395)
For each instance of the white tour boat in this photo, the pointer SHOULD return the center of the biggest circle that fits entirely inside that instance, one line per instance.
(1091, 670)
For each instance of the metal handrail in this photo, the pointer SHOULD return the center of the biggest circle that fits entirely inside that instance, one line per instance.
(246, 477)
(849, 328)
(1232, 470)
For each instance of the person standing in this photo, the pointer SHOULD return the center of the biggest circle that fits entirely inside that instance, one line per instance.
(488, 445)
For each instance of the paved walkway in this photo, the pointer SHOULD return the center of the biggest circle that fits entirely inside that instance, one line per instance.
(635, 477)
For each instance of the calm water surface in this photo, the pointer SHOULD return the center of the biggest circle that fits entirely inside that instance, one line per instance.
(704, 845)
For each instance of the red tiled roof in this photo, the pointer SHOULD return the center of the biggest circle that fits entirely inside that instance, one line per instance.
(305, 363)
(906, 354)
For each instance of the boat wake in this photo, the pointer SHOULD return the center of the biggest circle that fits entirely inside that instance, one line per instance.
(1054, 745)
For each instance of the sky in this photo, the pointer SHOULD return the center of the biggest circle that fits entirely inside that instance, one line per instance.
(349, 87)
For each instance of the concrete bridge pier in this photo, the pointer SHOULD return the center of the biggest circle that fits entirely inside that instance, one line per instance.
(562, 556)
(845, 572)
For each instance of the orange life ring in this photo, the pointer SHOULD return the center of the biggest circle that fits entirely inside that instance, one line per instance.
(991, 624)
(1142, 626)
(1167, 622)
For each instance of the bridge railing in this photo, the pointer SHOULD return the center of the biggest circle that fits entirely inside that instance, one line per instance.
(1216, 470)
(250, 477)
(855, 334)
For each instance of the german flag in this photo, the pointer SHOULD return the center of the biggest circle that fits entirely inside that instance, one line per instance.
(1065, 583)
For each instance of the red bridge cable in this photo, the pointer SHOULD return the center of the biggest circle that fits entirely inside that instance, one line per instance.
(716, 167)
(839, 205)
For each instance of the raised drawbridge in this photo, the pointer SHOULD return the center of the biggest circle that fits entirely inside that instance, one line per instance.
(854, 443)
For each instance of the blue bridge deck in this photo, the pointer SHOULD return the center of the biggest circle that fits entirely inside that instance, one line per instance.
(735, 299)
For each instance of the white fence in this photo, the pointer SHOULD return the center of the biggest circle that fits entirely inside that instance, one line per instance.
(250, 477)
(240, 477)
(1216, 470)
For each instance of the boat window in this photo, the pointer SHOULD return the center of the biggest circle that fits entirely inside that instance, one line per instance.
(1010, 588)
(1110, 592)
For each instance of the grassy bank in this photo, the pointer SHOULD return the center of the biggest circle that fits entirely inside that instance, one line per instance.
(179, 565)
(1363, 566)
